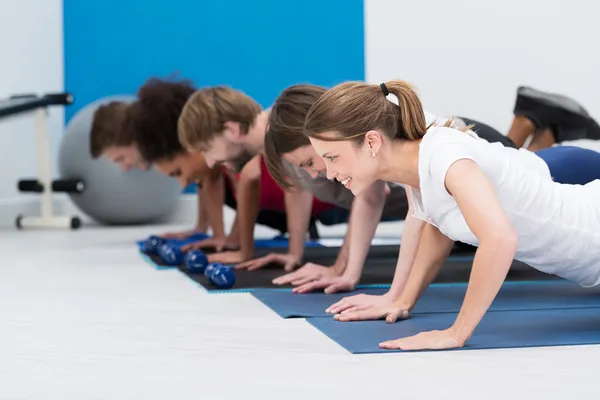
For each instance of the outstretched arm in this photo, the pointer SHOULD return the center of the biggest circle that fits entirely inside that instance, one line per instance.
(248, 197)
(213, 197)
(498, 242)
(364, 217)
(298, 205)
(365, 307)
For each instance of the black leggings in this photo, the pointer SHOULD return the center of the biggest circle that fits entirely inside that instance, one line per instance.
(488, 133)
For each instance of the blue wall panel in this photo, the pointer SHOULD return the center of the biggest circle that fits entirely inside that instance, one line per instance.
(260, 47)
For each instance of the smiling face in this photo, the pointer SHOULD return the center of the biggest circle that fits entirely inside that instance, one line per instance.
(354, 165)
(306, 157)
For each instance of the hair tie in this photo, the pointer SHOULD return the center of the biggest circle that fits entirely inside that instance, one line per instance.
(384, 89)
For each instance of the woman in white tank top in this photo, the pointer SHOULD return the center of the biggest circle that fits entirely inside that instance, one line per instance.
(460, 188)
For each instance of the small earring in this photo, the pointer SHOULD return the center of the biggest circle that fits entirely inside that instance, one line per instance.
(373, 154)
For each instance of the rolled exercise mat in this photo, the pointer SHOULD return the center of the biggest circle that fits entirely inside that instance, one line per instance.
(497, 330)
(378, 273)
(444, 298)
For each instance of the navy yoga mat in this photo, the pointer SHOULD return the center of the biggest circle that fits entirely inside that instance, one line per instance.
(444, 298)
(291, 305)
(497, 330)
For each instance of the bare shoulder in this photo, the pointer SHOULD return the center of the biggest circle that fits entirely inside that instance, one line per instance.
(251, 170)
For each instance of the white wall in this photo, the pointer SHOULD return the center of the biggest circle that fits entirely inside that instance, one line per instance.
(467, 57)
(31, 39)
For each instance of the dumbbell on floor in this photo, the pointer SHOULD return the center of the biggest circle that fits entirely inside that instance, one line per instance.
(171, 255)
(153, 243)
(196, 261)
(222, 276)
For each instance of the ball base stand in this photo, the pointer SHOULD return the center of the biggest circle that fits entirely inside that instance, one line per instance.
(45, 186)
(47, 222)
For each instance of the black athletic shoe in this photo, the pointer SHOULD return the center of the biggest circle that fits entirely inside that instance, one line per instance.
(567, 119)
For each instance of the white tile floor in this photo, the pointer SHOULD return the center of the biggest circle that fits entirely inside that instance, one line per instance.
(83, 317)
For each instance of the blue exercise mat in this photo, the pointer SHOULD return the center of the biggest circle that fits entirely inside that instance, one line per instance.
(443, 298)
(178, 242)
(276, 242)
(292, 305)
(497, 330)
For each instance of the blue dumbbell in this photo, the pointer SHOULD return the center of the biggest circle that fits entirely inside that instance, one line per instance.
(171, 255)
(210, 268)
(223, 277)
(196, 261)
(153, 243)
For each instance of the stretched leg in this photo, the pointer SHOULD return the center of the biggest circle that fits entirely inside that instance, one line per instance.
(572, 165)
(541, 140)
(520, 130)
(551, 114)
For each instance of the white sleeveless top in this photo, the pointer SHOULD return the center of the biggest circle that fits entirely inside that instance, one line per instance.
(558, 225)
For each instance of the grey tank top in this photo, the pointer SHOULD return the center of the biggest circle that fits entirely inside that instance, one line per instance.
(333, 192)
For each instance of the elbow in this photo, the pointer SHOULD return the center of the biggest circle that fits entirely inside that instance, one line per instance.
(504, 241)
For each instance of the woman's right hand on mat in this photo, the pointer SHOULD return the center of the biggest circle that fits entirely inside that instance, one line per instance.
(360, 302)
(329, 285)
(289, 262)
(307, 273)
(391, 313)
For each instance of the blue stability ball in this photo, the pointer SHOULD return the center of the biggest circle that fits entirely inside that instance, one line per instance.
(110, 195)
(170, 254)
(196, 261)
(223, 277)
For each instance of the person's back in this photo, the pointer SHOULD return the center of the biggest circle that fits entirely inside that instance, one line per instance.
(556, 223)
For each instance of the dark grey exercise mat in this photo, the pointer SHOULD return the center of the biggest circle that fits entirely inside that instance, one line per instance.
(444, 298)
(377, 273)
(249, 280)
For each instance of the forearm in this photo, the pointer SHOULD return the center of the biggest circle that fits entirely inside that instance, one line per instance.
(234, 232)
(432, 252)
(298, 204)
(202, 223)
(213, 197)
(364, 218)
(490, 267)
(248, 208)
(341, 261)
(411, 237)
